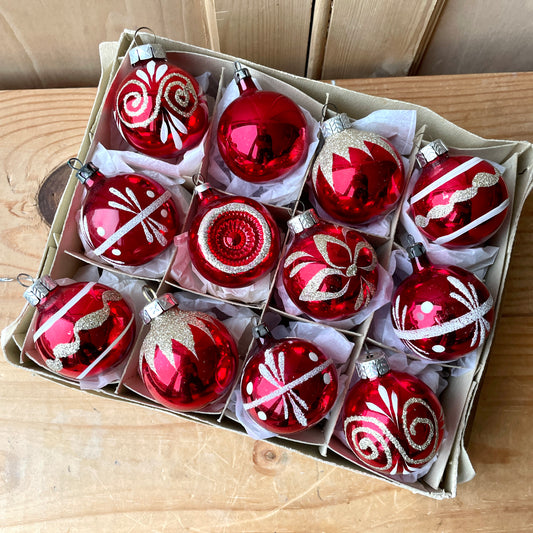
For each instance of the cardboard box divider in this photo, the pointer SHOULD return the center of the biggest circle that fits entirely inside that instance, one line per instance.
(64, 254)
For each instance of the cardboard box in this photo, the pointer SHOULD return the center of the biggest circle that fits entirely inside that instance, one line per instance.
(64, 254)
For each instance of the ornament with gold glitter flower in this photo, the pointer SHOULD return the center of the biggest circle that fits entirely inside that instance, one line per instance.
(330, 272)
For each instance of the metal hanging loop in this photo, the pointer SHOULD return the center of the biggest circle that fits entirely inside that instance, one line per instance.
(138, 30)
(149, 293)
(72, 163)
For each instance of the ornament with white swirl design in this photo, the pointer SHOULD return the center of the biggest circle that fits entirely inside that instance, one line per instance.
(392, 421)
(159, 108)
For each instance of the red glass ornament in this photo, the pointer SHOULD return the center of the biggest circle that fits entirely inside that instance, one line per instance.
(330, 272)
(233, 240)
(458, 201)
(262, 134)
(288, 385)
(82, 329)
(392, 421)
(357, 175)
(127, 219)
(188, 359)
(159, 108)
(441, 312)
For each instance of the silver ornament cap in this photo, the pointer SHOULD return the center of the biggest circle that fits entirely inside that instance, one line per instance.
(305, 220)
(240, 72)
(158, 307)
(86, 172)
(146, 51)
(430, 152)
(39, 289)
(335, 125)
(260, 331)
(373, 365)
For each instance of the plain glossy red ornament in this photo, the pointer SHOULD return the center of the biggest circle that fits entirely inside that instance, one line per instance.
(127, 219)
(262, 134)
(458, 201)
(441, 312)
(392, 421)
(159, 108)
(357, 175)
(188, 359)
(288, 385)
(82, 329)
(233, 240)
(330, 272)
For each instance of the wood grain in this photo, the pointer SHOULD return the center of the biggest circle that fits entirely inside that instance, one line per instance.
(274, 34)
(53, 43)
(71, 461)
(480, 36)
(369, 39)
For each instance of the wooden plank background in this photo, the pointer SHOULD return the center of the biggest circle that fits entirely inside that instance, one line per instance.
(55, 43)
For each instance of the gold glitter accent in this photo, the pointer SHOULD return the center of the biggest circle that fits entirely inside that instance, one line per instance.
(184, 94)
(174, 325)
(87, 322)
(340, 144)
(208, 223)
(311, 292)
(481, 179)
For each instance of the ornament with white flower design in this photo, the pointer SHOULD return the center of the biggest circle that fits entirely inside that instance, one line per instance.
(188, 359)
(329, 272)
(392, 421)
(288, 385)
(159, 108)
(441, 313)
(126, 219)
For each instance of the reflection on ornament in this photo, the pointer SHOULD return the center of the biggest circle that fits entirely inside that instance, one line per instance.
(357, 175)
(392, 421)
(159, 108)
(330, 272)
(288, 385)
(458, 200)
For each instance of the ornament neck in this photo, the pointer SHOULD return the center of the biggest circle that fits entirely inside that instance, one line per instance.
(40, 289)
(243, 79)
(432, 154)
(374, 365)
(418, 257)
(306, 220)
(146, 52)
(262, 334)
(205, 193)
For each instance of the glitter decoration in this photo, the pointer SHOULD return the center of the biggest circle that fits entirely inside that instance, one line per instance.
(392, 421)
(441, 313)
(330, 272)
(457, 201)
(357, 175)
(127, 219)
(83, 329)
(288, 385)
(233, 240)
(160, 109)
(188, 359)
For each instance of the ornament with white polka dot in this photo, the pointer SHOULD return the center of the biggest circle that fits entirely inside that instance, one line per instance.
(127, 219)
(288, 385)
(441, 313)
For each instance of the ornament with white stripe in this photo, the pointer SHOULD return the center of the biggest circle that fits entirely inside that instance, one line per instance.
(457, 201)
(392, 421)
(288, 385)
(441, 312)
(81, 329)
(159, 108)
(188, 359)
(127, 219)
